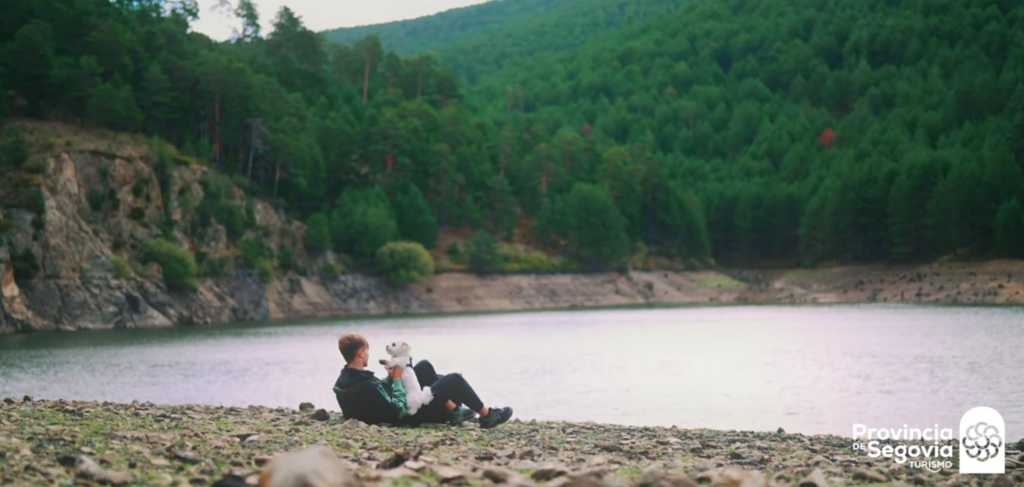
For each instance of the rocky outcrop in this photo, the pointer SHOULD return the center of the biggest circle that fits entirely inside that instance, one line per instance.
(15, 316)
(105, 201)
(6, 287)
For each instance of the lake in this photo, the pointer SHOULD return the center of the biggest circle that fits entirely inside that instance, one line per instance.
(807, 369)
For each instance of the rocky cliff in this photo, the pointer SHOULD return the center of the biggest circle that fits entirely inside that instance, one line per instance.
(107, 195)
(105, 198)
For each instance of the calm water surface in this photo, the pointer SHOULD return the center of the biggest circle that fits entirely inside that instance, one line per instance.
(806, 369)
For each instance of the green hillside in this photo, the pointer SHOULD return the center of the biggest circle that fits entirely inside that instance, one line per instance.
(752, 133)
(427, 34)
(478, 39)
(738, 102)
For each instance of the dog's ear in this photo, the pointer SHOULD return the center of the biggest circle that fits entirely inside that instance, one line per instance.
(406, 345)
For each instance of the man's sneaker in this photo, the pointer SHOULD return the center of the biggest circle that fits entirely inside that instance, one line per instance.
(460, 416)
(495, 416)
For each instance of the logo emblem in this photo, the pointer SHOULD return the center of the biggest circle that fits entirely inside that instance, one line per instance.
(982, 441)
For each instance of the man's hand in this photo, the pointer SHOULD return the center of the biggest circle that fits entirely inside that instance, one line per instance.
(395, 372)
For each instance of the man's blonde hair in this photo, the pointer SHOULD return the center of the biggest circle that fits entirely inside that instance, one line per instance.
(350, 345)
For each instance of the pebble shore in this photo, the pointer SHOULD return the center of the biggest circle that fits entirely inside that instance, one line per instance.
(44, 442)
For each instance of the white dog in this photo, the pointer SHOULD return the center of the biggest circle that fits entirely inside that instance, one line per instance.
(415, 396)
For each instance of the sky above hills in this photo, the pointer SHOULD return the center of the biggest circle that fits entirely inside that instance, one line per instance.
(320, 15)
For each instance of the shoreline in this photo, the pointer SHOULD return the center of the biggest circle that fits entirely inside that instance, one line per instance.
(55, 441)
(142, 303)
(467, 314)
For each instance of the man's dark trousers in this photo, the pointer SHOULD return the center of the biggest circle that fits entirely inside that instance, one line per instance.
(447, 387)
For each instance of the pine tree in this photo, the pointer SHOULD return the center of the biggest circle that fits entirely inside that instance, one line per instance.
(113, 105)
(250, 17)
(31, 63)
(687, 221)
(907, 213)
(1017, 120)
(1009, 226)
(952, 211)
(551, 227)
(155, 100)
(482, 253)
(78, 79)
(597, 234)
(504, 209)
(415, 220)
(113, 45)
(363, 222)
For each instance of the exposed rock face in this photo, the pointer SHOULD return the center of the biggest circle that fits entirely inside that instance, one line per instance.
(104, 200)
(6, 286)
(15, 316)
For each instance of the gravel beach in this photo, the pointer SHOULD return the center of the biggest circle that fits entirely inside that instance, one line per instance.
(45, 442)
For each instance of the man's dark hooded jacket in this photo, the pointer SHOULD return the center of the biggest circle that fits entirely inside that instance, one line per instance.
(364, 397)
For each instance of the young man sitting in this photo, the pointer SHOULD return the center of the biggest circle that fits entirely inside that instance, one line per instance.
(363, 397)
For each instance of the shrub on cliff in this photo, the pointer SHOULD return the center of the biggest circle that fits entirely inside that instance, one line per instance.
(96, 197)
(216, 206)
(258, 257)
(137, 213)
(253, 251)
(537, 263)
(318, 234)
(121, 268)
(178, 266)
(265, 270)
(25, 264)
(287, 259)
(331, 270)
(405, 263)
(233, 219)
(36, 201)
(19, 181)
(13, 151)
(18, 190)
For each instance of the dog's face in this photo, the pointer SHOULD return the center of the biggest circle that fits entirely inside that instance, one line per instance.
(398, 349)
